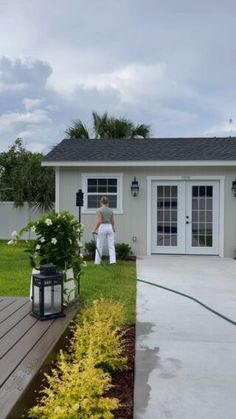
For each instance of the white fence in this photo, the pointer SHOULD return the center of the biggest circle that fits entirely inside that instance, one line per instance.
(12, 218)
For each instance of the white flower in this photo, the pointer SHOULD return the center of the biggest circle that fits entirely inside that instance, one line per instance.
(33, 229)
(42, 240)
(48, 221)
(54, 240)
(10, 242)
(37, 247)
(2, 170)
(14, 234)
(81, 255)
(84, 264)
(79, 243)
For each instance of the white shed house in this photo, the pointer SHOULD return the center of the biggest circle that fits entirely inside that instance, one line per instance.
(186, 202)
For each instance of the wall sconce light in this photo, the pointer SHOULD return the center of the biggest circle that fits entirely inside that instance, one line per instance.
(134, 187)
(234, 187)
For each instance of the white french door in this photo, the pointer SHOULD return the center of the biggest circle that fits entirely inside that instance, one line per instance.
(185, 217)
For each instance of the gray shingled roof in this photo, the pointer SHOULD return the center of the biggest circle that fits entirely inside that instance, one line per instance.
(136, 149)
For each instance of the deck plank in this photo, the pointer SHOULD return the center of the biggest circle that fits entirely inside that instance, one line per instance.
(15, 318)
(6, 303)
(16, 334)
(11, 308)
(24, 353)
(12, 359)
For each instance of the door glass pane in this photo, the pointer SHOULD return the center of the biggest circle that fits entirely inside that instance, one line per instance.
(202, 216)
(167, 217)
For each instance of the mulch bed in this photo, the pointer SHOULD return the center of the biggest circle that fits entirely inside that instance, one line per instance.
(123, 382)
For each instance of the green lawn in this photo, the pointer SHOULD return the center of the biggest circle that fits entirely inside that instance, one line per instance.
(120, 284)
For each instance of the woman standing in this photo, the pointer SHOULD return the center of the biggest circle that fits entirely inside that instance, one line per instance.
(105, 228)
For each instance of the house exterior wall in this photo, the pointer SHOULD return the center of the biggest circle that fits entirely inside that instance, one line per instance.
(133, 220)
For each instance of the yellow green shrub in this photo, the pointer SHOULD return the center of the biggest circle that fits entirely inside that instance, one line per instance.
(76, 387)
(99, 332)
(76, 391)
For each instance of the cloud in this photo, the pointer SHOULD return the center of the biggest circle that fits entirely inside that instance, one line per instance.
(224, 129)
(30, 103)
(167, 64)
(37, 116)
(22, 73)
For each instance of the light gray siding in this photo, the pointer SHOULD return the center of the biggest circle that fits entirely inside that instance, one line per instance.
(133, 221)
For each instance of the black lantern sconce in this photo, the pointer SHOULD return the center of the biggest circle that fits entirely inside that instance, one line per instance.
(79, 201)
(135, 187)
(234, 188)
(47, 300)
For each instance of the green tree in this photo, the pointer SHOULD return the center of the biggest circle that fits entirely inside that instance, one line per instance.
(105, 126)
(23, 179)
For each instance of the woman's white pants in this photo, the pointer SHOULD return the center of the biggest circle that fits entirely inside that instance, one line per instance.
(105, 232)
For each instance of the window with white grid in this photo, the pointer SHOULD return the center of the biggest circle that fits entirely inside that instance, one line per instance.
(96, 186)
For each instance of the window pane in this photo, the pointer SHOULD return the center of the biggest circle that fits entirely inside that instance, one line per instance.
(195, 242)
(112, 201)
(209, 241)
(167, 240)
(102, 188)
(174, 240)
(93, 201)
(202, 203)
(112, 182)
(195, 191)
(160, 191)
(209, 191)
(173, 191)
(194, 216)
(92, 188)
(202, 216)
(102, 182)
(209, 203)
(202, 240)
(112, 189)
(202, 190)
(92, 182)
(160, 215)
(167, 191)
(160, 240)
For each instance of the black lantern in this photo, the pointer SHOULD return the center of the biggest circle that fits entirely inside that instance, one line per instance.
(234, 187)
(79, 201)
(47, 301)
(135, 187)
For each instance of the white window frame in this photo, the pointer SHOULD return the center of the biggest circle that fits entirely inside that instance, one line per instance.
(118, 176)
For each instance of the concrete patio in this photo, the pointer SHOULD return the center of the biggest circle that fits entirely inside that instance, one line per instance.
(185, 355)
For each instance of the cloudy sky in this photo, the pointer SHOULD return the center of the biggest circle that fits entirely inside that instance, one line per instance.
(167, 63)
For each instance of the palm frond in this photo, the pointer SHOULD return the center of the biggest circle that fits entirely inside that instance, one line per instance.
(78, 130)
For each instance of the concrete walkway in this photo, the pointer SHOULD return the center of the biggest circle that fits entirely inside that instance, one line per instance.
(185, 355)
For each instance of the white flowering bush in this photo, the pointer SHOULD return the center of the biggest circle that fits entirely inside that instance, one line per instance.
(57, 241)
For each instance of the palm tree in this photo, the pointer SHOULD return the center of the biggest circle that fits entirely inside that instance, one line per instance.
(105, 126)
(78, 130)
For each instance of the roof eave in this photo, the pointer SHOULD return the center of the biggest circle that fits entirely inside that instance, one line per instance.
(143, 163)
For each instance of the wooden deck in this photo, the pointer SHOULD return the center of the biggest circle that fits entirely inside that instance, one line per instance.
(25, 343)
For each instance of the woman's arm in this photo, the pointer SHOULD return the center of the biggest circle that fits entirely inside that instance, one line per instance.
(98, 221)
(113, 222)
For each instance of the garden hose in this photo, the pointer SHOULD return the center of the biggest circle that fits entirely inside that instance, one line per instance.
(104, 265)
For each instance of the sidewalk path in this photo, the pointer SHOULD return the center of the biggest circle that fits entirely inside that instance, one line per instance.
(185, 355)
